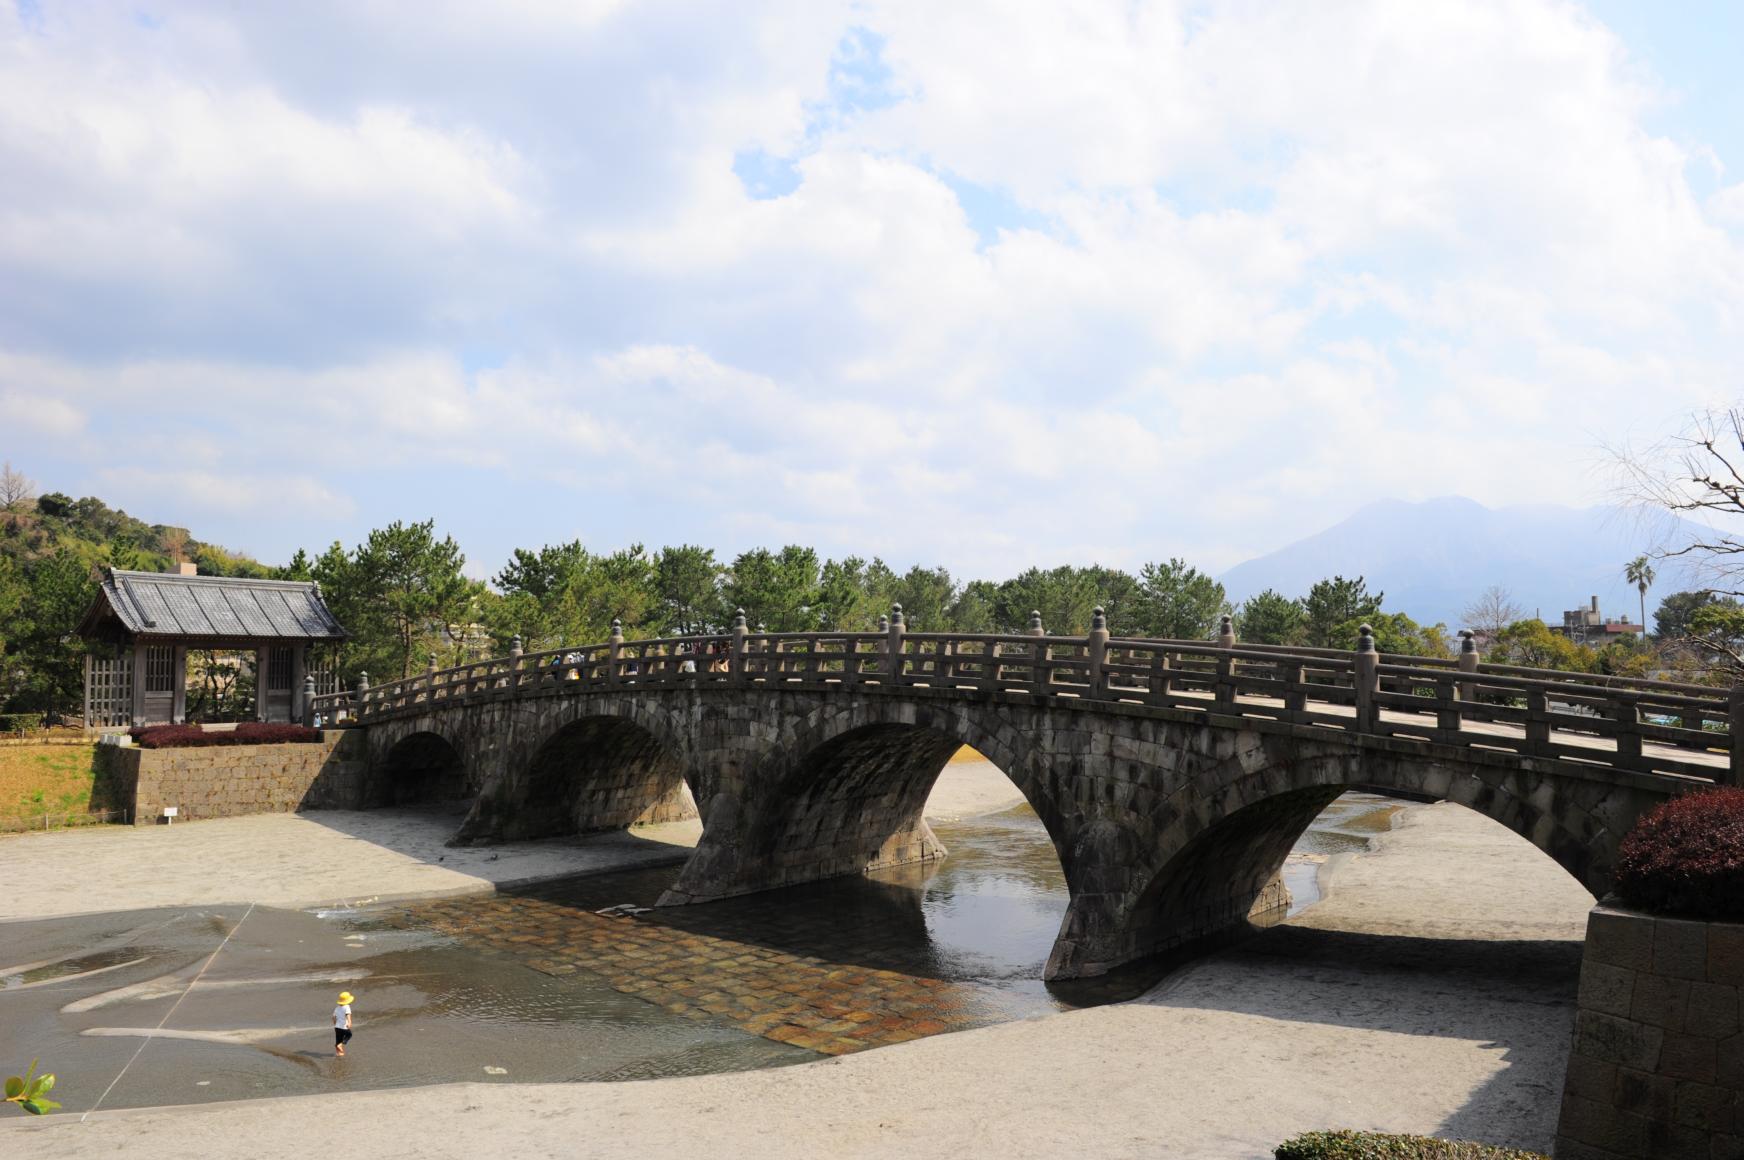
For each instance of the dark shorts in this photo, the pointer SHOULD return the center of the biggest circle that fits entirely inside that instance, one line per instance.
(341, 1036)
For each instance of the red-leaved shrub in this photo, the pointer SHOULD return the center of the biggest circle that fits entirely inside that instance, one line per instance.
(1686, 857)
(194, 737)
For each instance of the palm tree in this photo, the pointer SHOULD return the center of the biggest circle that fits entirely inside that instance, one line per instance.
(1640, 573)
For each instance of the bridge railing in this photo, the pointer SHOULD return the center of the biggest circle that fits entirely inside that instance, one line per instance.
(1639, 725)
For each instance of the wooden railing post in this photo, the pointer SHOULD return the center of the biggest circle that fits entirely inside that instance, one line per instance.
(1096, 652)
(736, 658)
(1368, 681)
(893, 644)
(614, 649)
(1735, 726)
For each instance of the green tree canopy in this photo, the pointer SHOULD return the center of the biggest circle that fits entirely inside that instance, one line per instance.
(1330, 605)
(1177, 602)
(1270, 617)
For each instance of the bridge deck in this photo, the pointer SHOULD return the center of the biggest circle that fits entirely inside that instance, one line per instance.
(1656, 728)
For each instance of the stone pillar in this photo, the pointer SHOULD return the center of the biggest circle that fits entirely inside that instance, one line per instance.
(1468, 663)
(1096, 651)
(1226, 633)
(1368, 681)
(1735, 725)
(430, 678)
(362, 694)
(736, 658)
(893, 645)
(1039, 673)
(614, 651)
(516, 651)
(306, 711)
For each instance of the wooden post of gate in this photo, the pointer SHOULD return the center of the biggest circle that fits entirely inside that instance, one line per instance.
(1096, 652)
(1368, 680)
(893, 644)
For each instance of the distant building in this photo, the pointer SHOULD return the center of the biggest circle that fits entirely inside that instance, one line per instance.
(1589, 626)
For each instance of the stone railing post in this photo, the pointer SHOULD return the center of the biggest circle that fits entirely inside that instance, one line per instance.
(362, 693)
(736, 661)
(1368, 681)
(1096, 651)
(1038, 669)
(1226, 633)
(430, 678)
(1468, 663)
(516, 652)
(1735, 725)
(1225, 692)
(309, 700)
(614, 650)
(893, 644)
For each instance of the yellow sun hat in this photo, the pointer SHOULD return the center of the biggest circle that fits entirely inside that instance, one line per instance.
(345, 996)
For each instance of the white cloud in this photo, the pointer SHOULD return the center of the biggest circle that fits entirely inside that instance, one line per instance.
(1112, 281)
(24, 414)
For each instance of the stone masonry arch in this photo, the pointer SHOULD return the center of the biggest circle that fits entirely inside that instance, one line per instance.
(844, 791)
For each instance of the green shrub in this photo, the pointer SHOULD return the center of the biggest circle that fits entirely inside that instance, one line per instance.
(1348, 1145)
(20, 722)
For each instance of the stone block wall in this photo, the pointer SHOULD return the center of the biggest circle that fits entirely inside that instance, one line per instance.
(231, 780)
(1657, 1065)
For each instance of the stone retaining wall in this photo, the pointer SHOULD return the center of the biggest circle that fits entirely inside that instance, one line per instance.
(1657, 1067)
(230, 780)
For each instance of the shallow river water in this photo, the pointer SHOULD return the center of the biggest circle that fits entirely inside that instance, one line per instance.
(537, 986)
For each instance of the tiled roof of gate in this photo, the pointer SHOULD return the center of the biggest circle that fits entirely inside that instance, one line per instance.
(168, 604)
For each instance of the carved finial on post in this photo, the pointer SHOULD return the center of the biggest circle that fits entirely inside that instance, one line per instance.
(1098, 620)
(739, 620)
(896, 614)
(309, 699)
(1035, 623)
(363, 682)
(431, 667)
(515, 648)
(1467, 642)
(1365, 639)
(1226, 632)
(615, 644)
(1468, 663)
(883, 622)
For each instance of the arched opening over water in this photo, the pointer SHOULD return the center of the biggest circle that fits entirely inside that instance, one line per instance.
(421, 769)
(596, 773)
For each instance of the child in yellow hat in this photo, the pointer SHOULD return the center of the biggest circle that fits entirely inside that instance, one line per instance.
(342, 1023)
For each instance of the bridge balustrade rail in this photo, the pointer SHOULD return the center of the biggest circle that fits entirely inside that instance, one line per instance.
(1644, 726)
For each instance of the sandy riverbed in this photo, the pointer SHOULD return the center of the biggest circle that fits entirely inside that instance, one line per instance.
(1457, 1027)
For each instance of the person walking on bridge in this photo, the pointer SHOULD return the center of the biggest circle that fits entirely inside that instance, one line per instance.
(342, 1024)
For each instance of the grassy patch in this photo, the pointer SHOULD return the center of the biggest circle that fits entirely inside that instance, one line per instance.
(53, 780)
(1378, 1146)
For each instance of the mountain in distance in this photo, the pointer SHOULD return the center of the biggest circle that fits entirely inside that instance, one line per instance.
(1435, 557)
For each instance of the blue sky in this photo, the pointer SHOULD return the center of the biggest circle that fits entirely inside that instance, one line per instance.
(985, 285)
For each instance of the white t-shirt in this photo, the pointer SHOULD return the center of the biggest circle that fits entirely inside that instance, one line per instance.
(340, 1014)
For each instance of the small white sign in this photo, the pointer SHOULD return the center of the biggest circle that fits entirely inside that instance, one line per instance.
(169, 811)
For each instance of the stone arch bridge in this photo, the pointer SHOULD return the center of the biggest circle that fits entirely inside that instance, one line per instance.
(1172, 776)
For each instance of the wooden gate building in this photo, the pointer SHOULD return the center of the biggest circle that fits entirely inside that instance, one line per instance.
(152, 619)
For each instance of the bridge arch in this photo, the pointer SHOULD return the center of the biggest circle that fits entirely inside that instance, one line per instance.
(845, 792)
(1207, 860)
(423, 767)
(599, 763)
